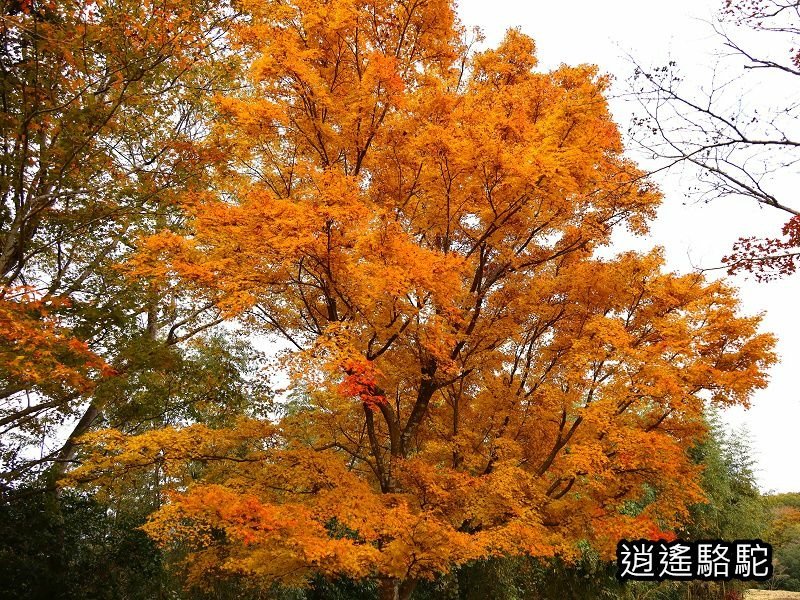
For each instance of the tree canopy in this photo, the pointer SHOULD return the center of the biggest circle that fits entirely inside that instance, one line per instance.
(421, 225)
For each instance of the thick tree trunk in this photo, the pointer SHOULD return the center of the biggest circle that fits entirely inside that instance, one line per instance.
(396, 589)
(69, 448)
(388, 589)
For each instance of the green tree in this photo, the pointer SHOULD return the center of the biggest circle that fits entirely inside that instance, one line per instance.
(101, 109)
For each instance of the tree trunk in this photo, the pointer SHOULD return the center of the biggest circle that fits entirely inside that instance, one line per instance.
(395, 589)
(69, 448)
(388, 589)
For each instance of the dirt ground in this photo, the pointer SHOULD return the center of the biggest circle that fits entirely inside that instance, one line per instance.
(771, 595)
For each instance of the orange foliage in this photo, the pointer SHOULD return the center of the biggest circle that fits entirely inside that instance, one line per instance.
(421, 223)
(36, 353)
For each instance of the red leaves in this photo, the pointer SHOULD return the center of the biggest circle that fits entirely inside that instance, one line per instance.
(361, 381)
(768, 258)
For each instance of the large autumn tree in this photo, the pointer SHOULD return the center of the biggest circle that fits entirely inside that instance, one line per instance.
(424, 228)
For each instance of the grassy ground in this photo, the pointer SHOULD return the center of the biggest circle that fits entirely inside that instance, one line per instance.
(771, 595)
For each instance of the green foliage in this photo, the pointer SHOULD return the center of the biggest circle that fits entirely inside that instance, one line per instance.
(787, 566)
(734, 508)
(211, 380)
(73, 548)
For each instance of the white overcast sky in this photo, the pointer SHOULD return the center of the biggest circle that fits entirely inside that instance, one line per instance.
(603, 33)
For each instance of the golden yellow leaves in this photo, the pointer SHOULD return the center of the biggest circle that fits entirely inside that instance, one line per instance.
(267, 541)
(473, 380)
(179, 455)
(515, 58)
